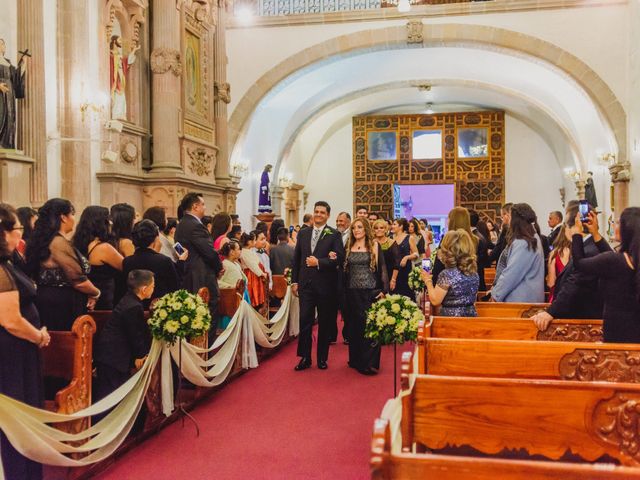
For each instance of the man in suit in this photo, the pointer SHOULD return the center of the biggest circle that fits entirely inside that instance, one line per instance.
(125, 340)
(555, 224)
(576, 293)
(343, 224)
(281, 255)
(482, 250)
(501, 244)
(203, 265)
(318, 253)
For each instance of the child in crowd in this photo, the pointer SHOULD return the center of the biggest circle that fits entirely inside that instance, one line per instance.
(125, 341)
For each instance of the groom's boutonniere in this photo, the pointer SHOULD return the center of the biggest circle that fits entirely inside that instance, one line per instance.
(325, 232)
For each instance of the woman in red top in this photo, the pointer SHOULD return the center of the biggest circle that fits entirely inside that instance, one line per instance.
(558, 259)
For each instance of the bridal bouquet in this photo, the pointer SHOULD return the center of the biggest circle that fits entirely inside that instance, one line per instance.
(415, 280)
(179, 314)
(393, 319)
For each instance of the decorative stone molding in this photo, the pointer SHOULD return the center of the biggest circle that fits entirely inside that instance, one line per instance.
(222, 91)
(129, 152)
(601, 366)
(616, 422)
(571, 333)
(620, 172)
(130, 14)
(165, 59)
(202, 161)
(414, 32)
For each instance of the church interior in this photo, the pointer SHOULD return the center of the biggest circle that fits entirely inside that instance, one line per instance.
(404, 108)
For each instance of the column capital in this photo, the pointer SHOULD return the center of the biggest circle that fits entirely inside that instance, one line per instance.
(620, 172)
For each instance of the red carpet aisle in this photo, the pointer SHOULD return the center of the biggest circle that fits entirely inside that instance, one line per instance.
(273, 423)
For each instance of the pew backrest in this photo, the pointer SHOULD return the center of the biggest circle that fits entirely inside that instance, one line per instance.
(504, 309)
(279, 289)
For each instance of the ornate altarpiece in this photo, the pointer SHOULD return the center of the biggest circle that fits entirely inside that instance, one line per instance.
(478, 180)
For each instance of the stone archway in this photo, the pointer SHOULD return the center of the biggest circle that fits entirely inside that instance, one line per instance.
(454, 35)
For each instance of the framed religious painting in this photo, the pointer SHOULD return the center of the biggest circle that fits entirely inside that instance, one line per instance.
(193, 79)
(381, 145)
(472, 143)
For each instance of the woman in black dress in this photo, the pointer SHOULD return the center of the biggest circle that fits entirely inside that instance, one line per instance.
(123, 217)
(60, 271)
(618, 273)
(408, 253)
(390, 251)
(366, 281)
(93, 240)
(20, 337)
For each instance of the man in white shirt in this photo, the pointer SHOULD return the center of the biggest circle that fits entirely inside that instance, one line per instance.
(555, 224)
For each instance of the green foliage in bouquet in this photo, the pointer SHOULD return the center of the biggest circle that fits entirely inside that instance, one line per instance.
(287, 275)
(179, 314)
(393, 319)
(415, 280)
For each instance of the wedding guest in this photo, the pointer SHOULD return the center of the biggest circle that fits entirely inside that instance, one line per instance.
(362, 212)
(558, 259)
(235, 233)
(93, 240)
(366, 281)
(60, 271)
(146, 238)
(483, 245)
(617, 272)
(124, 341)
(493, 234)
(261, 248)
(20, 337)
(390, 251)
(307, 221)
(520, 269)
(158, 216)
(220, 228)
(555, 224)
(501, 242)
(207, 221)
(408, 253)
(253, 269)
(203, 264)
(28, 217)
(170, 229)
(123, 217)
(281, 255)
(272, 236)
(459, 218)
(458, 283)
(235, 220)
(418, 238)
(233, 272)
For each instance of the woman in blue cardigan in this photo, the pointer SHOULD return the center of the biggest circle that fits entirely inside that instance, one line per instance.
(520, 269)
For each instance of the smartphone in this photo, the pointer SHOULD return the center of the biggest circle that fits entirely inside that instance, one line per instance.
(290, 229)
(584, 211)
(178, 248)
(426, 264)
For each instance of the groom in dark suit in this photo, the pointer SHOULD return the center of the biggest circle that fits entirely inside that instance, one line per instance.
(315, 280)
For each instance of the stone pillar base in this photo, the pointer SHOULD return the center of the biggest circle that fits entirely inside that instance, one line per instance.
(15, 172)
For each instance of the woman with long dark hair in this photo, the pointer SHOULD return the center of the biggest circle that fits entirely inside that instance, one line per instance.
(93, 239)
(408, 252)
(365, 280)
(618, 273)
(458, 218)
(123, 217)
(60, 271)
(220, 227)
(276, 225)
(20, 337)
(27, 217)
(520, 270)
(558, 259)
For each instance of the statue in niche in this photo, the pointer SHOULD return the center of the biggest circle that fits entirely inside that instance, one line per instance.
(12, 86)
(264, 200)
(590, 191)
(118, 69)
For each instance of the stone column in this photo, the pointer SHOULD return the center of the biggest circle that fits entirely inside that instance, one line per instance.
(620, 176)
(74, 37)
(277, 201)
(166, 67)
(222, 95)
(31, 110)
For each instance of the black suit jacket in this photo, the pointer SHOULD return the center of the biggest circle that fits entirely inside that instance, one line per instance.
(163, 269)
(203, 264)
(501, 244)
(281, 257)
(323, 278)
(125, 337)
(576, 294)
(482, 260)
(553, 235)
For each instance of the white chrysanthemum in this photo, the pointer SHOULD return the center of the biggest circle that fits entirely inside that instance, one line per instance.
(171, 326)
(184, 319)
(406, 314)
(162, 313)
(390, 320)
(395, 308)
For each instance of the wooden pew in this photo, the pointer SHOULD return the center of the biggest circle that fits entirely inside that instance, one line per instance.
(386, 465)
(489, 276)
(594, 421)
(601, 362)
(500, 309)
(497, 328)
(278, 291)
(69, 357)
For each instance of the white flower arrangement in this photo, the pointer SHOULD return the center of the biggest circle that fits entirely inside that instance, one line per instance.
(179, 314)
(415, 280)
(393, 319)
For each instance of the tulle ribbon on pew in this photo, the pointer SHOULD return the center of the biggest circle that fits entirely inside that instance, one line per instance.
(30, 431)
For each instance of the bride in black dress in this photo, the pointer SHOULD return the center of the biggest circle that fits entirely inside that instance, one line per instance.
(366, 281)
(20, 337)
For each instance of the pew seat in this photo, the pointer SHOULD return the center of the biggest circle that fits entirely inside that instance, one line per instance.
(504, 309)
(388, 465)
(503, 328)
(602, 362)
(585, 421)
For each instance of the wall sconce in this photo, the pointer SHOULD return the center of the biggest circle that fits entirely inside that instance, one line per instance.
(607, 158)
(572, 174)
(239, 169)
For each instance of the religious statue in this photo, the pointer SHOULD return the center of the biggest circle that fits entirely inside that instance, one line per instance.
(264, 200)
(118, 69)
(12, 85)
(590, 191)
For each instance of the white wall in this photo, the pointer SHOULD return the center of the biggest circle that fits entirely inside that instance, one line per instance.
(9, 28)
(532, 171)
